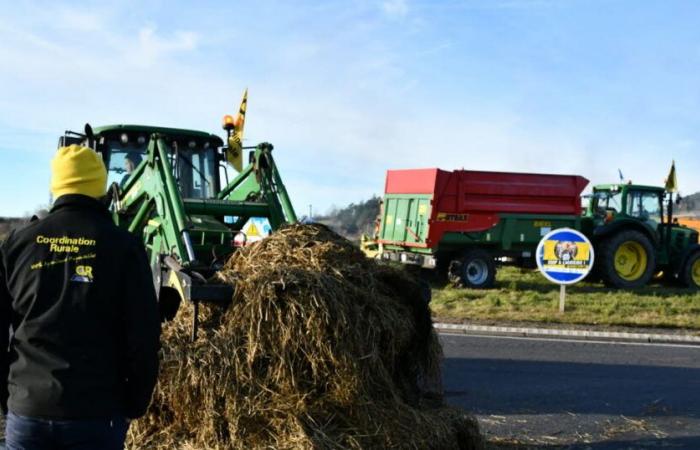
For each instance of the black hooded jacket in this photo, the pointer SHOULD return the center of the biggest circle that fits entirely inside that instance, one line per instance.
(78, 295)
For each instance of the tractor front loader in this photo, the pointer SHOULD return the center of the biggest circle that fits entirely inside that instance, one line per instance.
(166, 187)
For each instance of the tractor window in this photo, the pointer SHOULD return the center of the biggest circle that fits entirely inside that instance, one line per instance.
(607, 201)
(644, 205)
(195, 170)
(123, 159)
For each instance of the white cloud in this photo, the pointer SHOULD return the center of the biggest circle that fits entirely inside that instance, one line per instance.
(77, 20)
(152, 46)
(395, 8)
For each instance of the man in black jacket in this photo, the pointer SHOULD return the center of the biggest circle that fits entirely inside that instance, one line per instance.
(77, 293)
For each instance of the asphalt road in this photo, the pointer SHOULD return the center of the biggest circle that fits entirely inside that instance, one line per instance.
(564, 394)
(549, 394)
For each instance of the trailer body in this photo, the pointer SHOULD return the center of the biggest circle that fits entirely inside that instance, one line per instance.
(427, 212)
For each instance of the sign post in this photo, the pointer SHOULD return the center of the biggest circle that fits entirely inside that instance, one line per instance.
(562, 298)
(564, 256)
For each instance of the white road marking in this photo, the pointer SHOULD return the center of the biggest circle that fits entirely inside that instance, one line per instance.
(579, 341)
(569, 333)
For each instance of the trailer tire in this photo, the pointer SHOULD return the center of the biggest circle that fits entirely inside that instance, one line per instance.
(691, 271)
(476, 270)
(628, 260)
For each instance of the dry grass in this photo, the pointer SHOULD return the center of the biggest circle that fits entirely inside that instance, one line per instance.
(321, 348)
(525, 296)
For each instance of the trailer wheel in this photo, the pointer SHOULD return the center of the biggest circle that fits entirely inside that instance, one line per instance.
(691, 272)
(475, 270)
(628, 260)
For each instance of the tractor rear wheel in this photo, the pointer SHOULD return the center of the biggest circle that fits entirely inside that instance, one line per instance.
(628, 260)
(475, 270)
(691, 272)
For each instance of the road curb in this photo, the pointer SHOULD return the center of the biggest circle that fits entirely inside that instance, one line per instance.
(616, 336)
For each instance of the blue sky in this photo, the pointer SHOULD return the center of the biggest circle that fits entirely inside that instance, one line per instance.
(348, 89)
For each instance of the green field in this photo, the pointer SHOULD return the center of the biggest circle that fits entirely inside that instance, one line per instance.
(525, 296)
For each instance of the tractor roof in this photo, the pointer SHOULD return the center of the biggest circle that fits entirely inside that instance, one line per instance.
(620, 186)
(161, 130)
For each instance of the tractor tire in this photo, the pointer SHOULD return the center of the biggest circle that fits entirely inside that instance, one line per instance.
(691, 272)
(439, 275)
(628, 260)
(168, 303)
(476, 270)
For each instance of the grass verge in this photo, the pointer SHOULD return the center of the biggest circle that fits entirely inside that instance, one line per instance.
(525, 296)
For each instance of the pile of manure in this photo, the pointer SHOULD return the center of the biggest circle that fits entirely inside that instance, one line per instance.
(321, 348)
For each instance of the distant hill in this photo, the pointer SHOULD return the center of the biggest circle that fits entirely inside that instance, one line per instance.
(7, 224)
(353, 220)
(690, 205)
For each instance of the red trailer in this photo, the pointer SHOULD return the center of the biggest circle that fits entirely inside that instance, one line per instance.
(434, 217)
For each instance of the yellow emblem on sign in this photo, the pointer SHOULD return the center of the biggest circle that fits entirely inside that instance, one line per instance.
(566, 252)
(565, 256)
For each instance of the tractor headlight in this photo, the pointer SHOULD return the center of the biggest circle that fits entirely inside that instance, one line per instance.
(141, 140)
(124, 138)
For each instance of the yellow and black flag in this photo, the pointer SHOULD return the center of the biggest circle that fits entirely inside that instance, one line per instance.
(671, 181)
(235, 137)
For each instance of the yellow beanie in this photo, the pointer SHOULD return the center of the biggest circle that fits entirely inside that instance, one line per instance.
(78, 170)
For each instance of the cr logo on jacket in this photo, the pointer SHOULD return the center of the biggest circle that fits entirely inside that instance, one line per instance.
(83, 274)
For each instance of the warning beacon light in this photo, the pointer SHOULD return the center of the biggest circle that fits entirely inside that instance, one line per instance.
(228, 122)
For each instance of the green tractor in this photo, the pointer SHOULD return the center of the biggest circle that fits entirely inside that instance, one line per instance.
(171, 188)
(637, 239)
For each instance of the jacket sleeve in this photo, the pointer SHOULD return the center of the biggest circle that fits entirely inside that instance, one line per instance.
(142, 323)
(5, 312)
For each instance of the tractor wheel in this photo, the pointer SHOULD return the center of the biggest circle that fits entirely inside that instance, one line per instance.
(691, 272)
(628, 260)
(440, 275)
(475, 270)
(168, 303)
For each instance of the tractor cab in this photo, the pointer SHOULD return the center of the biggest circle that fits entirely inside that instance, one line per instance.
(194, 156)
(627, 201)
(654, 241)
